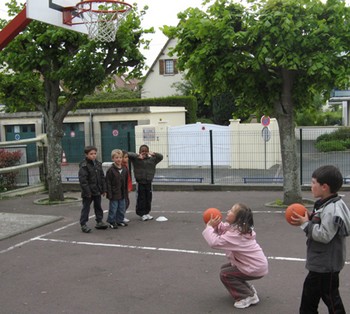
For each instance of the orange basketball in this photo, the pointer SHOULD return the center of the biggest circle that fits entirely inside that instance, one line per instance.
(296, 207)
(211, 211)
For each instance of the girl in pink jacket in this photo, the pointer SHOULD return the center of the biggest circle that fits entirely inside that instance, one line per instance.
(246, 258)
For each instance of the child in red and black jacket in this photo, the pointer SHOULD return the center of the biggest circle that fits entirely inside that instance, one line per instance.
(117, 190)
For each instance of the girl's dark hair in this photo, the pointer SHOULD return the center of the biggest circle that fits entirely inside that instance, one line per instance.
(244, 219)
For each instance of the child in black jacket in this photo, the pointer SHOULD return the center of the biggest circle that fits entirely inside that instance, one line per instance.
(93, 185)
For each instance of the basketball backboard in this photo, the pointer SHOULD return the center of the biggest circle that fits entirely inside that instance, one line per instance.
(51, 12)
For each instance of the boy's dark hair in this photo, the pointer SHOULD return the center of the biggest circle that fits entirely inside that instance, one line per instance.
(144, 145)
(329, 175)
(88, 149)
(244, 219)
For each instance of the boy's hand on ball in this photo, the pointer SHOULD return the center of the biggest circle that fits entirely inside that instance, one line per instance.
(298, 220)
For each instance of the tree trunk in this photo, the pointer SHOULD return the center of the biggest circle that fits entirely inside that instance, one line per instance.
(54, 115)
(285, 119)
(54, 157)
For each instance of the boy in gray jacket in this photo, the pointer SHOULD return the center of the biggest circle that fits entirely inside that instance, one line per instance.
(144, 165)
(326, 230)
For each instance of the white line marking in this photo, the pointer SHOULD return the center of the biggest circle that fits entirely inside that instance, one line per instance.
(201, 212)
(152, 248)
(41, 238)
(38, 237)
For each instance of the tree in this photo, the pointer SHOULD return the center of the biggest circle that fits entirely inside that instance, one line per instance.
(274, 56)
(52, 68)
(219, 110)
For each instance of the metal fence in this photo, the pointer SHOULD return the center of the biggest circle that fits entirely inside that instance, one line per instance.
(25, 173)
(222, 158)
(227, 158)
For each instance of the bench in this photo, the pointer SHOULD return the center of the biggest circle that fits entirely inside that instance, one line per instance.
(72, 178)
(178, 179)
(346, 180)
(262, 180)
(156, 179)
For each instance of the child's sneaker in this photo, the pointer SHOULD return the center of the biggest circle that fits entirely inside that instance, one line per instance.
(122, 224)
(85, 229)
(144, 218)
(126, 220)
(113, 226)
(101, 225)
(149, 217)
(241, 304)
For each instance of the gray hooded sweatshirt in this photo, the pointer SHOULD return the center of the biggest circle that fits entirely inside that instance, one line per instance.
(326, 236)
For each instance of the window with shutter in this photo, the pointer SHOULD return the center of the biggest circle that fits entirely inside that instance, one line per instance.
(161, 67)
(176, 71)
(167, 67)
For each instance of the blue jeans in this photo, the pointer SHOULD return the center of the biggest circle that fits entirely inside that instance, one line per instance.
(116, 211)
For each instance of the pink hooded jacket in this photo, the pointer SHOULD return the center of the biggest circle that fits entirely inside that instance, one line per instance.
(242, 250)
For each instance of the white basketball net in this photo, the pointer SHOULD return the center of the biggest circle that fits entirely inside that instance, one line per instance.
(102, 18)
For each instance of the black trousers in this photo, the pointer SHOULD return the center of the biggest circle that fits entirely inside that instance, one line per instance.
(84, 216)
(144, 198)
(323, 286)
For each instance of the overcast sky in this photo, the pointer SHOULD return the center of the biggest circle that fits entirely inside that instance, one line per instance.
(160, 12)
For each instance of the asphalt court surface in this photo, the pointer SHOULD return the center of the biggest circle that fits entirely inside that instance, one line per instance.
(148, 267)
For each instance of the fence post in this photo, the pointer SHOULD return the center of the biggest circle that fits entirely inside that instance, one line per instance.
(42, 153)
(301, 155)
(211, 157)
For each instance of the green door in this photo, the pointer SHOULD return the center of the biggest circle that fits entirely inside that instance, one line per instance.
(21, 132)
(73, 142)
(117, 134)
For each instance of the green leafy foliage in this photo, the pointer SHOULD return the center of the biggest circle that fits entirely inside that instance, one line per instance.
(119, 94)
(190, 103)
(274, 56)
(312, 117)
(53, 68)
(8, 159)
(338, 140)
(252, 51)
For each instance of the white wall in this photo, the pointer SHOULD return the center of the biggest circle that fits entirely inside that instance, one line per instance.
(236, 146)
(160, 85)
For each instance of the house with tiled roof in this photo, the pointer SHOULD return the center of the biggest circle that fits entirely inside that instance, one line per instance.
(162, 75)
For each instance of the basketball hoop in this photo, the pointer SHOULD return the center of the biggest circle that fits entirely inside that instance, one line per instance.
(101, 18)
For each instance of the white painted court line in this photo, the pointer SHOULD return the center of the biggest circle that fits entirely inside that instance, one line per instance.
(38, 237)
(42, 238)
(152, 248)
